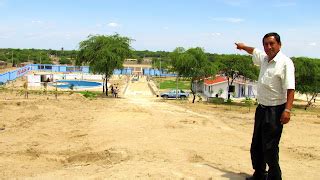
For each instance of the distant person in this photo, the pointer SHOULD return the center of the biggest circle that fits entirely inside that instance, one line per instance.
(25, 86)
(116, 91)
(275, 91)
(112, 91)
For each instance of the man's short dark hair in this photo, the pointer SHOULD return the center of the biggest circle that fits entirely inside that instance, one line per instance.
(274, 34)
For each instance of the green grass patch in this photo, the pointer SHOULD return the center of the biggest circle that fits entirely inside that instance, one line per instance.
(216, 100)
(88, 94)
(172, 84)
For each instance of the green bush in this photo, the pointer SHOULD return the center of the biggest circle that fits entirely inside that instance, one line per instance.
(248, 101)
(89, 94)
(229, 101)
(216, 100)
(64, 60)
(199, 97)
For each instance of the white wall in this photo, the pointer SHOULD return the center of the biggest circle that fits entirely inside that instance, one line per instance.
(36, 78)
(224, 86)
(92, 77)
(33, 78)
(58, 76)
(215, 89)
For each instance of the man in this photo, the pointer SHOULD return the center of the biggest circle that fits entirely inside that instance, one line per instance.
(275, 91)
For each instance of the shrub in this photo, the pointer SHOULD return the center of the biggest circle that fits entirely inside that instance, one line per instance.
(89, 94)
(248, 102)
(216, 100)
(229, 101)
(199, 97)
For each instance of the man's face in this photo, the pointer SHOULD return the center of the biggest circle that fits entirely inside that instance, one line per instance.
(271, 46)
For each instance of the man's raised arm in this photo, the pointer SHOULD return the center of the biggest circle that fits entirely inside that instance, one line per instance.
(242, 46)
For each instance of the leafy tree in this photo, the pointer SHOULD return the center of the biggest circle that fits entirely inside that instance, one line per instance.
(140, 60)
(192, 63)
(104, 54)
(146, 53)
(3, 57)
(307, 74)
(161, 63)
(235, 66)
(42, 57)
(64, 60)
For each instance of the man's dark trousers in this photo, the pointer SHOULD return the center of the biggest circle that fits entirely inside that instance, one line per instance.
(265, 141)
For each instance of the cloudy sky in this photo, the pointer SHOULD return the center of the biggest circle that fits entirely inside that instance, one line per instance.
(162, 24)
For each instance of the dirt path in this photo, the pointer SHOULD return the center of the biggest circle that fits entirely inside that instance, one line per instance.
(139, 136)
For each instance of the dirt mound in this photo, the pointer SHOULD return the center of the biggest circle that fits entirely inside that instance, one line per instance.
(108, 156)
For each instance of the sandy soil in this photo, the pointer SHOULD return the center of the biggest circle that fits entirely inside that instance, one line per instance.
(139, 136)
(7, 69)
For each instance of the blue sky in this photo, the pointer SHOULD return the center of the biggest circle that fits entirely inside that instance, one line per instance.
(162, 24)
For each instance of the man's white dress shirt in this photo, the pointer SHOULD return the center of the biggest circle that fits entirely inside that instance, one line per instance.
(275, 78)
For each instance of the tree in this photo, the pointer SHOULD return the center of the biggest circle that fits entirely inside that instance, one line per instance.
(139, 61)
(192, 63)
(161, 63)
(235, 66)
(64, 60)
(104, 54)
(307, 74)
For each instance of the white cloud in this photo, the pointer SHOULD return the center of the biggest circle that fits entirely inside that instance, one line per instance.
(312, 44)
(99, 25)
(4, 37)
(216, 34)
(228, 19)
(36, 22)
(113, 24)
(7, 32)
(68, 36)
(208, 36)
(166, 28)
(235, 2)
(285, 4)
(32, 35)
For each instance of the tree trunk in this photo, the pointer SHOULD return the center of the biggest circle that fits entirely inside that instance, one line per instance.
(177, 86)
(106, 85)
(228, 88)
(194, 97)
(106, 80)
(103, 85)
(193, 93)
(309, 102)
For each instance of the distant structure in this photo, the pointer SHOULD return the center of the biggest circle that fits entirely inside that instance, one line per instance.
(3, 64)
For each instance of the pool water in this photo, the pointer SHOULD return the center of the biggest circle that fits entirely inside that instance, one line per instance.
(66, 84)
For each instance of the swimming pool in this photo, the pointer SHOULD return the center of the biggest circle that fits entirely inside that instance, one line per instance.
(67, 84)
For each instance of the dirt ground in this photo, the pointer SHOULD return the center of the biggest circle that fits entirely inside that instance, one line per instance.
(7, 69)
(140, 136)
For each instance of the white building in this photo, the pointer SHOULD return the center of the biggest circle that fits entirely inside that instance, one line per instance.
(219, 87)
(36, 79)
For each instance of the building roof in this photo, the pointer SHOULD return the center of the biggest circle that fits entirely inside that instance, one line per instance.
(217, 80)
(221, 79)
